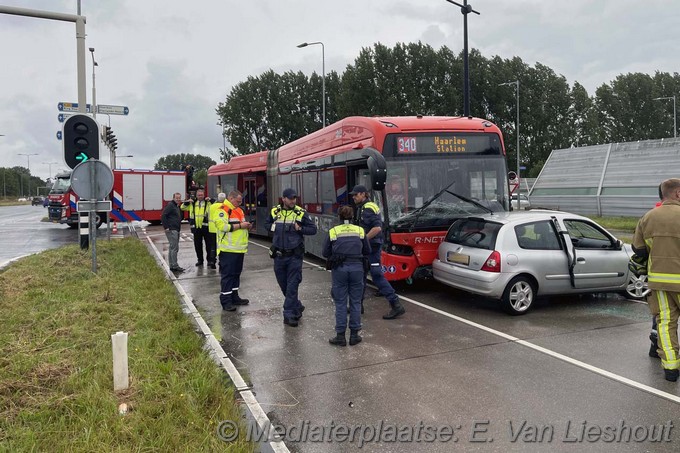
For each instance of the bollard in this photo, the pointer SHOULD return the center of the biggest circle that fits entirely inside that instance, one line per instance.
(120, 361)
(83, 224)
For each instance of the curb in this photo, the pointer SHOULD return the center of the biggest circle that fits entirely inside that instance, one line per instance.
(219, 356)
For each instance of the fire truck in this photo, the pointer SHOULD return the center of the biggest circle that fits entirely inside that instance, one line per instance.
(136, 195)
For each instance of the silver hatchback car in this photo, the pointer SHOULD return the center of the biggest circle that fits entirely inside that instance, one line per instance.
(516, 256)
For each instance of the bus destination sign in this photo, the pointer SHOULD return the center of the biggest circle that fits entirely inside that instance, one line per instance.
(447, 143)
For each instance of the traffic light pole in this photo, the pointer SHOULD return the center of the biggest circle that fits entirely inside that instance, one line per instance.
(80, 42)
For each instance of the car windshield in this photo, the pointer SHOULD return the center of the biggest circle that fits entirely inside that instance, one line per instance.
(474, 232)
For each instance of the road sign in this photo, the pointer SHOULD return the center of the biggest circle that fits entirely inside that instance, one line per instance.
(98, 206)
(71, 107)
(63, 116)
(58, 135)
(92, 180)
(112, 109)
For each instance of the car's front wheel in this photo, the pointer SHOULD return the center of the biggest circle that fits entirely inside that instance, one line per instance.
(519, 295)
(637, 287)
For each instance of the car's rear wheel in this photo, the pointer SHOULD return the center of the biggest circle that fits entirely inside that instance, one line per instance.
(637, 287)
(519, 295)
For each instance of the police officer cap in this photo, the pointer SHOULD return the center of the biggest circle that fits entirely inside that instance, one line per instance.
(358, 189)
(289, 193)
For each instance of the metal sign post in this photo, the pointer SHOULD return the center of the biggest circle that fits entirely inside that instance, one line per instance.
(92, 181)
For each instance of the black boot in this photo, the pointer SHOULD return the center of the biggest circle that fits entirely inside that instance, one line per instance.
(237, 300)
(671, 375)
(396, 310)
(653, 352)
(653, 337)
(338, 340)
(354, 337)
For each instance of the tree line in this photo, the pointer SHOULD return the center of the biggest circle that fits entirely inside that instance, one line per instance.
(270, 110)
(16, 182)
(179, 162)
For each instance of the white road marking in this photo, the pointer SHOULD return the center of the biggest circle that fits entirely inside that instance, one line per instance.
(535, 347)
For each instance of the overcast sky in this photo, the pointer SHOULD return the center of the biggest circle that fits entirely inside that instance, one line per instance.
(172, 61)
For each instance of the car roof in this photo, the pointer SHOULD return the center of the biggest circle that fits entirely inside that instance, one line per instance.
(534, 215)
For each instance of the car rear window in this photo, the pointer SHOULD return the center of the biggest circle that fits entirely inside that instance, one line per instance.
(474, 232)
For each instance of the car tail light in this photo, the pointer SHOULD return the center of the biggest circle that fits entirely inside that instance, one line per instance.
(493, 262)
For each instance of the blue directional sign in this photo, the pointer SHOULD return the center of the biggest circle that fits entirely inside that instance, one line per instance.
(62, 117)
(71, 107)
(112, 109)
(58, 135)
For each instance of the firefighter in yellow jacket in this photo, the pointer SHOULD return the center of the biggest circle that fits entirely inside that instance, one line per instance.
(212, 229)
(232, 245)
(657, 237)
(199, 211)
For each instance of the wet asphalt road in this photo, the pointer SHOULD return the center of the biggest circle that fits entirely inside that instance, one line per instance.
(25, 230)
(22, 232)
(572, 375)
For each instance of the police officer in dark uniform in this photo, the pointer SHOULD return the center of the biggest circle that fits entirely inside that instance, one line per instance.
(368, 217)
(288, 223)
(346, 249)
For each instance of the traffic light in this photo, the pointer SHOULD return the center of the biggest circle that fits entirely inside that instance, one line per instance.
(81, 139)
(109, 138)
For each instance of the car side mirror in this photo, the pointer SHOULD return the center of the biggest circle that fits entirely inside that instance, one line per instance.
(618, 244)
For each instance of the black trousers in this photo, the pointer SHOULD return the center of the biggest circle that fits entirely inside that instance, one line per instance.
(202, 235)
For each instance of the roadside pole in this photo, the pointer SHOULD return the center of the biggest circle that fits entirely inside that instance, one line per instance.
(80, 41)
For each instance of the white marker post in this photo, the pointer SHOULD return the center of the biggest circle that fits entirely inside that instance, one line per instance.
(120, 361)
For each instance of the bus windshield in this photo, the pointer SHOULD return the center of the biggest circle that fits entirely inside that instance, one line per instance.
(474, 184)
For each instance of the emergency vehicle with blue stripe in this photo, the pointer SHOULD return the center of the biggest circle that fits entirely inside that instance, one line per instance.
(136, 195)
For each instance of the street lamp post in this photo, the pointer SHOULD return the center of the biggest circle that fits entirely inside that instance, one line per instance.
(516, 83)
(28, 159)
(127, 155)
(323, 78)
(94, 90)
(675, 116)
(465, 9)
(49, 166)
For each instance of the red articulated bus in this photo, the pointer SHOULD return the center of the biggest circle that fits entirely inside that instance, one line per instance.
(247, 174)
(424, 172)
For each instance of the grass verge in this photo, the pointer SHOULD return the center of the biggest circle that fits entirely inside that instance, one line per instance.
(56, 385)
(626, 224)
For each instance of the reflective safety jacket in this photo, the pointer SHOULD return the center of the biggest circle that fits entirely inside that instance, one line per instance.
(658, 235)
(230, 237)
(198, 212)
(346, 240)
(282, 222)
(367, 216)
(212, 215)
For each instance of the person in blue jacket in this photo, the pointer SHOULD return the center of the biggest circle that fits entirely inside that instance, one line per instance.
(346, 249)
(288, 224)
(368, 217)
